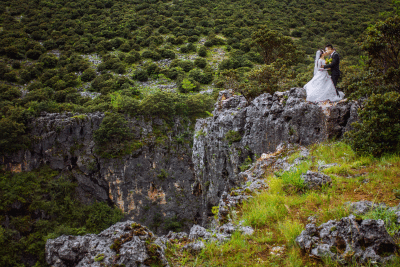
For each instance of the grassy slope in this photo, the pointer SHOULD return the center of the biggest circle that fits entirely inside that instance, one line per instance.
(279, 214)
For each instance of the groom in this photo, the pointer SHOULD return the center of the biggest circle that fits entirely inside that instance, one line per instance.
(334, 66)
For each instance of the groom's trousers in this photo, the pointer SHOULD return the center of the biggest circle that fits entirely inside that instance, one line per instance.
(335, 79)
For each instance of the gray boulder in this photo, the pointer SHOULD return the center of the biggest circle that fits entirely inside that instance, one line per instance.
(315, 180)
(349, 239)
(194, 247)
(364, 206)
(126, 243)
(197, 232)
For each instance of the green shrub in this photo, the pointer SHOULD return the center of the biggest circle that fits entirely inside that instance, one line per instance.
(200, 62)
(140, 75)
(153, 69)
(166, 53)
(151, 54)
(33, 54)
(188, 85)
(113, 136)
(186, 65)
(12, 136)
(88, 75)
(48, 60)
(378, 130)
(233, 136)
(132, 57)
(202, 52)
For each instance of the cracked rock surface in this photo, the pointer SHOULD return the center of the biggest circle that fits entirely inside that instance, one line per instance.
(348, 239)
(258, 127)
(126, 243)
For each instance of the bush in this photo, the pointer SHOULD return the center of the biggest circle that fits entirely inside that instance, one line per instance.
(152, 55)
(141, 75)
(10, 136)
(33, 54)
(48, 60)
(200, 62)
(88, 75)
(188, 85)
(378, 130)
(166, 53)
(186, 65)
(152, 69)
(113, 135)
(132, 57)
(233, 136)
(202, 52)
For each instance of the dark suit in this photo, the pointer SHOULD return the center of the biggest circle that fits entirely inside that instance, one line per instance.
(334, 66)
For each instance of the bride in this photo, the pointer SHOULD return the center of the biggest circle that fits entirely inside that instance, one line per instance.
(321, 87)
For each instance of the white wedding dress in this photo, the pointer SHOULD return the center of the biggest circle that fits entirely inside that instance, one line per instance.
(321, 87)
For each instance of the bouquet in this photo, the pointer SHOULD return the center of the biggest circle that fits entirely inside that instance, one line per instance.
(328, 61)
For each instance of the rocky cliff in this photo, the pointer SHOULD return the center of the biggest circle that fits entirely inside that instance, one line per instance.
(168, 182)
(238, 133)
(151, 185)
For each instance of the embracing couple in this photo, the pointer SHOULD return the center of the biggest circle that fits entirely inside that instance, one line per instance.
(323, 86)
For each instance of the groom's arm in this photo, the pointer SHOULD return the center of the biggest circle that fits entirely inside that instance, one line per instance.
(335, 61)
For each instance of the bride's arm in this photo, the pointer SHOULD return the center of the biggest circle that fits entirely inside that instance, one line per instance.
(320, 65)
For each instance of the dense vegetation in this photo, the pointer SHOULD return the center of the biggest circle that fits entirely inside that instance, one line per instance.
(55, 50)
(39, 205)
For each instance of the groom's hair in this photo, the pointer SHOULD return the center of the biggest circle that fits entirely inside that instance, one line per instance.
(330, 46)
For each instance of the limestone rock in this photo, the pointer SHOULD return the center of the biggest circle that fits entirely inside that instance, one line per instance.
(194, 247)
(262, 125)
(315, 180)
(347, 239)
(364, 206)
(126, 243)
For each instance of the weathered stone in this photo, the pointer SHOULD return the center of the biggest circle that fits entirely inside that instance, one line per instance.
(176, 236)
(315, 180)
(197, 232)
(65, 142)
(125, 243)
(364, 206)
(263, 124)
(348, 239)
(195, 247)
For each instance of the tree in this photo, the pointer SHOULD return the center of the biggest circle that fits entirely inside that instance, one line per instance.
(113, 134)
(274, 45)
(382, 44)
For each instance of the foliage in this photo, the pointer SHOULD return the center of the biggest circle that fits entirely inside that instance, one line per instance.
(25, 195)
(246, 164)
(233, 136)
(274, 45)
(378, 131)
(379, 70)
(113, 135)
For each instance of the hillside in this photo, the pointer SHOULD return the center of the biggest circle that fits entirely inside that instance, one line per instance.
(280, 212)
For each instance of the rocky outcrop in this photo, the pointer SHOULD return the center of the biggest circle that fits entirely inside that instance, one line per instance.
(165, 183)
(315, 180)
(347, 240)
(151, 185)
(239, 132)
(123, 244)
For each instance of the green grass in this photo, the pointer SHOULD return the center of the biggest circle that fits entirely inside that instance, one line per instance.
(279, 215)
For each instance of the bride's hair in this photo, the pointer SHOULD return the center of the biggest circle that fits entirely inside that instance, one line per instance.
(322, 51)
